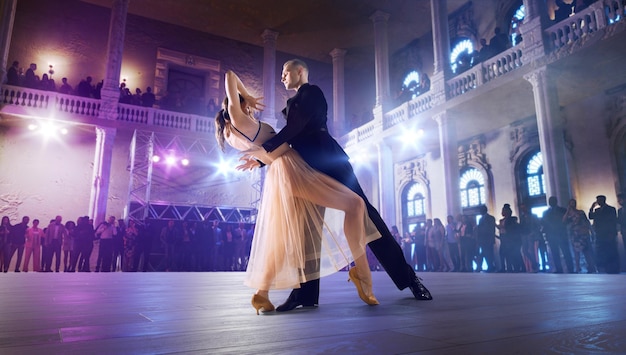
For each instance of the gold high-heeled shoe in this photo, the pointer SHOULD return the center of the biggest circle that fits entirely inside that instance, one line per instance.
(260, 302)
(370, 300)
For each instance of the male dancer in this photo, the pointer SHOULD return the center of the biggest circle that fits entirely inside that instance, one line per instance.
(307, 133)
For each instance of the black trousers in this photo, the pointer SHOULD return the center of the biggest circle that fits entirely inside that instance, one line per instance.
(105, 251)
(557, 245)
(386, 249)
(19, 248)
(49, 252)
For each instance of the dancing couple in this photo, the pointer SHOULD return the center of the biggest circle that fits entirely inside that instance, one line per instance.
(308, 170)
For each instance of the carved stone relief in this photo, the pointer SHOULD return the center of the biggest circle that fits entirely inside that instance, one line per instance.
(523, 134)
(472, 153)
(412, 170)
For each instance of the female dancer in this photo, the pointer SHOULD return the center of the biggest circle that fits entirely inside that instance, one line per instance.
(290, 234)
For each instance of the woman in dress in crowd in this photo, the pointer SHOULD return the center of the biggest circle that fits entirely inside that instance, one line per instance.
(5, 247)
(436, 240)
(32, 246)
(130, 246)
(290, 227)
(69, 244)
(579, 229)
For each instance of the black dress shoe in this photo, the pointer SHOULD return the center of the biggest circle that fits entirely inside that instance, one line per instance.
(290, 305)
(420, 292)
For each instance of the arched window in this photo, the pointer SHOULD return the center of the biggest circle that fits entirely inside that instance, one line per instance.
(531, 182)
(472, 187)
(516, 21)
(462, 57)
(534, 176)
(415, 201)
(411, 85)
(413, 206)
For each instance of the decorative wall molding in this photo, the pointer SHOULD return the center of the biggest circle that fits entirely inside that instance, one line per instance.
(473, 153)
(412, 170)
(210, 67)
(524, 135)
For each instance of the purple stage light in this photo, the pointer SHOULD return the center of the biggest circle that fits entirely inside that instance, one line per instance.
(171, 160)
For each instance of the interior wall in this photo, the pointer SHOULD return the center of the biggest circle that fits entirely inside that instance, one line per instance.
(42, 178)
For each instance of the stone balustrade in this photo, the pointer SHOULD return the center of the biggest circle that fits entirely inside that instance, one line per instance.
(49, 104)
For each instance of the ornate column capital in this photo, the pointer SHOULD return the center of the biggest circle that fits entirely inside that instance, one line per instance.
(379, 16)
(537, 77)
(441, 118)
(338, 53)
(269, 36)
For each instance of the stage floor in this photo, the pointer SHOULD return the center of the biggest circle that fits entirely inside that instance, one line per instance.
(210, 313)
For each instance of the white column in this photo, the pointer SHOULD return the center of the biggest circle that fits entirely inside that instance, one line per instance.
(269, 76)
(110, 91)
(386, 197)
(531, 29)
(105, 137)
(534, 8)
(441, 36)
(381, 48)
(448, 146)
(441, 51)
(7, 16)
(339, 105)
(551, 135)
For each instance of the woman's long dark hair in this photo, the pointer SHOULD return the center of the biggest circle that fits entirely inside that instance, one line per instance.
(220, 122)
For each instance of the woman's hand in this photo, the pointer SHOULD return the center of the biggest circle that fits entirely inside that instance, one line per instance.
(249, 163)
(253, 102)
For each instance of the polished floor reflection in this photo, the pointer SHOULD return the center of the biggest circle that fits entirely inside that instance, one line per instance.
(210, 313)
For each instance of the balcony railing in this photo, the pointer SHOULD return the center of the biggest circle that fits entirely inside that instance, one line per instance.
(485, 72)
(32, 102)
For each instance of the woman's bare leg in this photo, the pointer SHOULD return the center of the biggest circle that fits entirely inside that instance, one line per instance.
(337, 196)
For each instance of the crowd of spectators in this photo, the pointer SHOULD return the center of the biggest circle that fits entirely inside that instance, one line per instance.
(153, 245)
(561, 240)
(174, 101)
(30, 79)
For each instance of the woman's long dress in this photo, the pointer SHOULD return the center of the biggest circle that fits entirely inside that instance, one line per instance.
(295, 240)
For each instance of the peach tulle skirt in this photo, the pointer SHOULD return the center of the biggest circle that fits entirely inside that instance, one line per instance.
(296, 241)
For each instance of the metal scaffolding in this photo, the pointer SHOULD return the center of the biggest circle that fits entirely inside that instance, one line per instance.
(144, 145)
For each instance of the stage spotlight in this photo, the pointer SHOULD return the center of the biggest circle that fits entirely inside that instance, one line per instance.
(156, 158)
(48, 129)
(411, 136)
(32, 127)
(63, 131)
(225, 167)
(184, 161)
(171, 160)
(358, 158)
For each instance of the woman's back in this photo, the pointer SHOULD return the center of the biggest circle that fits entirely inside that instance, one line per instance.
(248, 140)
